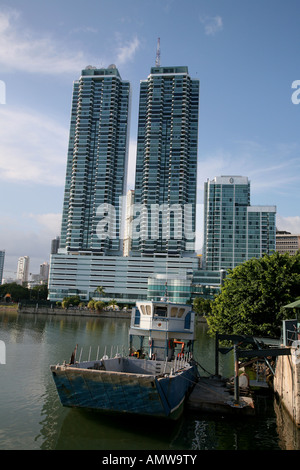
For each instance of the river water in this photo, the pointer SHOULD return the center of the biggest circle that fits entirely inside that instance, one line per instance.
(32, 418)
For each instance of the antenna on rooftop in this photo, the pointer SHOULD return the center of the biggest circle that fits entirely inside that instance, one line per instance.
(157, 60)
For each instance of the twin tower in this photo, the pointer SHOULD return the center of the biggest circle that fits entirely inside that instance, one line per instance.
(163, 212)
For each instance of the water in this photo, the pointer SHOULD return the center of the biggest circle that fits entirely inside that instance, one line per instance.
(31, 416)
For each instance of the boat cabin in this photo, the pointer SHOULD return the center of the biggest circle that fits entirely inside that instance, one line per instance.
(169, 328)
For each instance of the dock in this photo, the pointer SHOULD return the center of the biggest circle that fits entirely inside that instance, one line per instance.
(211, 394)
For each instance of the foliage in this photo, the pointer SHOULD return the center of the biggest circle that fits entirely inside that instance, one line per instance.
(72, 301)
(16, 291)
(91, 304)
(254, 293)
(39, 292)
(202, 306)
(99, 305)
(100, 291)
(113, 303)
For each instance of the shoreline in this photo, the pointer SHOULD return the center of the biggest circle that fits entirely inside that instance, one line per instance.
(75, 312)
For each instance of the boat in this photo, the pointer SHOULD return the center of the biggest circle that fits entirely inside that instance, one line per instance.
(153, 378)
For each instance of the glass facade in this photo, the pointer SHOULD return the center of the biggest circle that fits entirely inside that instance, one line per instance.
(97, 161)
(124, 278)
(166, 165)
(234, 231)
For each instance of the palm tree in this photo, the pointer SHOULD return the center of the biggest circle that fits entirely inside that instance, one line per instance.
(100, 290)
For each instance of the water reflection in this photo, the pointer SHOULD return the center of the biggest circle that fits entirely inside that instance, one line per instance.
(33, 418)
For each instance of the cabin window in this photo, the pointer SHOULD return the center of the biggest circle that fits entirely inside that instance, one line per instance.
(181, 312)
(174, 311)
(161, 311)
(143, 309)
(148, 309)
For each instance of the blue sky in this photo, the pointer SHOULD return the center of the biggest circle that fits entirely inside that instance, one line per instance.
(245, 54)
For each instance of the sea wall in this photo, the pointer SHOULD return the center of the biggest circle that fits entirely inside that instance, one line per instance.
(78, 312)
(287, 384)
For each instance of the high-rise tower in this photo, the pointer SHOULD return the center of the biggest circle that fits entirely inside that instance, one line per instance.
(234, 231)
(166, 166)
(97, 162)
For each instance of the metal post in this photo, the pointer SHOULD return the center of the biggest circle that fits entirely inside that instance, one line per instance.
(236, 377)
(217, 355)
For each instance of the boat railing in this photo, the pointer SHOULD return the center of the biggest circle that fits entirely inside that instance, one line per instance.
(108, 353)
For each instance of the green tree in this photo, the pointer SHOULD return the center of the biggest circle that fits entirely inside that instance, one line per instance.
(254, 293)
(99, 305)
(202, 306)
(39, 292)
(71, 301)
(16, 291)
(100, 291)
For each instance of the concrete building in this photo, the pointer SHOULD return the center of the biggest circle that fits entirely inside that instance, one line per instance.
(124, 278)
(128, 223)
(23, 269)
(287, 242)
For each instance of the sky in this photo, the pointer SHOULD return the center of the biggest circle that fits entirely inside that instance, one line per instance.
(244, 52)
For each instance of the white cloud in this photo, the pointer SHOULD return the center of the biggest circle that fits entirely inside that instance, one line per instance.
(275, 167)
(126, 51)
(289, 224)
(212, 25)
(23, 50)
(49, 223)
(33, 147)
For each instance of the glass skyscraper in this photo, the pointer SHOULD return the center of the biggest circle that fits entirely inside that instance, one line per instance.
(97, 162)
(166, 165)
(235, 231)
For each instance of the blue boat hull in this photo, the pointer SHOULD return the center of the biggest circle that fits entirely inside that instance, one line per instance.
(122, 392)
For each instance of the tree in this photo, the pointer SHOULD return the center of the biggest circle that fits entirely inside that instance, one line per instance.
(100, 290)
(71, 301)
(253, 296)
(202, 306)
(99, 305)
(39, 292)
(16, 291)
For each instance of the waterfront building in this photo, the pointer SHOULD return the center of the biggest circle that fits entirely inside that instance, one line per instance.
(234, 231)
(97, 162)
(166, 163)
(2, 258)
(286, 242)
(23, 269)
(124, 278)
(96, 177)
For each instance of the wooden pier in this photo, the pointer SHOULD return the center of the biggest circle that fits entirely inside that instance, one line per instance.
(211, 394)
